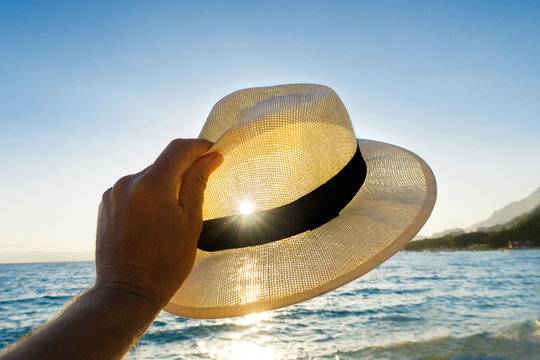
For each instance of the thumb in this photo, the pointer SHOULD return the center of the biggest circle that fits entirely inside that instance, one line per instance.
(194, 180)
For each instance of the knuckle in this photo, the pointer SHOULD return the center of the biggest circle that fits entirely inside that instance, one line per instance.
(132, 187)
(178, 143)
(186, 143)
(121, 184)
(142, 189)
(134, 190)
(106, 195)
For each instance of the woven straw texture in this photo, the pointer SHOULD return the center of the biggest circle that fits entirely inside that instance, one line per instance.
(280, 143)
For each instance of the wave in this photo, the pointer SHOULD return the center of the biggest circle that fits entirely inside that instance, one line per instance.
(37, 300)
(164, 336)
(399, 311)
(519, 341)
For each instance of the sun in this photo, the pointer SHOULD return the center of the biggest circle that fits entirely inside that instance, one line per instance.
(246, 207)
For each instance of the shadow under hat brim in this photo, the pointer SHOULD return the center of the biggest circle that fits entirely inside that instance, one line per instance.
(394, 202)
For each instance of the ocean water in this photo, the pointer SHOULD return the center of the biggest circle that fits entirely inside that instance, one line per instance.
(445, 305)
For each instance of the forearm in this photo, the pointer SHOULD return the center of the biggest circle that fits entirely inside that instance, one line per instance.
(101, 323)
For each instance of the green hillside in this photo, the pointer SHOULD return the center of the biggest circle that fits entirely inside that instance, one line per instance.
(524, 234)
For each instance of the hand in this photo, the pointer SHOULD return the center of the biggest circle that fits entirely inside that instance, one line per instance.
(149, 223)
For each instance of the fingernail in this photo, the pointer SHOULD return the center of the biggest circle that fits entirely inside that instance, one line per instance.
(206, 142)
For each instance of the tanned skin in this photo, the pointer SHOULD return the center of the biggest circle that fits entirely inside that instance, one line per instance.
(147, 232)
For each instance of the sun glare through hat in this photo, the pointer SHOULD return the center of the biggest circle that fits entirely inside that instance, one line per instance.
(299, 206)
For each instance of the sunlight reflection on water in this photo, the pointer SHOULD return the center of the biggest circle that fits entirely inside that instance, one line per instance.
(240, 350)
(245, 343)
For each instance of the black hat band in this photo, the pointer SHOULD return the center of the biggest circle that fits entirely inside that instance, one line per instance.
(306, 213)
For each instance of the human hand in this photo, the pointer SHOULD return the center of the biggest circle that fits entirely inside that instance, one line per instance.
(149, 223)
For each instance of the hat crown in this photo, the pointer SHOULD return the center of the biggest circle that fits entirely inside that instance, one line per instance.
(279, 143)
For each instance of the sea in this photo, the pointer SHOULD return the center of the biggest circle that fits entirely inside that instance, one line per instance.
(417, 305)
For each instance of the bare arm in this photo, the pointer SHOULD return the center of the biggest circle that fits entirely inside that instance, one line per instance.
(147, 233)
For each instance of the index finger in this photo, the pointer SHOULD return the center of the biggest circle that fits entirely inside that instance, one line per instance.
(171, 164)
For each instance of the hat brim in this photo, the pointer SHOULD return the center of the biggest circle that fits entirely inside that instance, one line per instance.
(394, 202)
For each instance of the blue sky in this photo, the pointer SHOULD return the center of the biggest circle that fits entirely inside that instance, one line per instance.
(91, 92)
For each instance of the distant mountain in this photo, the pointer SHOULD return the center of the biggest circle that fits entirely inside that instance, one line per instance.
(451, 232)
(509, 212)
(41, 256)
(524, 233)
(507, 225)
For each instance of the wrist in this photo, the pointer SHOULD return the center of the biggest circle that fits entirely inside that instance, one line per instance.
(125, 298)
(141, 281)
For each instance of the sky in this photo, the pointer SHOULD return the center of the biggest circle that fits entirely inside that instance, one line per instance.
(93, 91)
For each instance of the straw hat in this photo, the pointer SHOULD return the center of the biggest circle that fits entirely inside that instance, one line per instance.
(300, 206)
